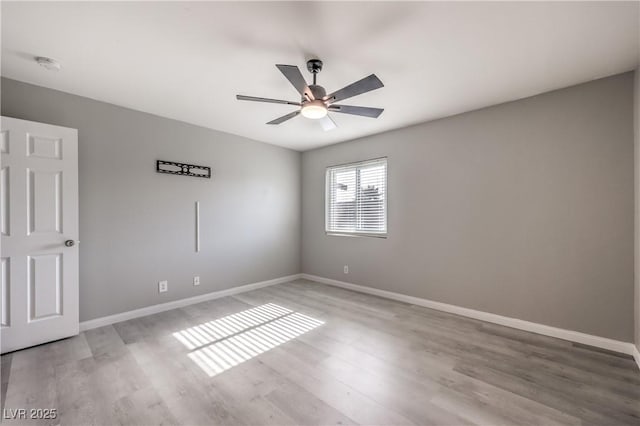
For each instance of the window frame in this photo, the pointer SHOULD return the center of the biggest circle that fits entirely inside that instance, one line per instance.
(327, 199)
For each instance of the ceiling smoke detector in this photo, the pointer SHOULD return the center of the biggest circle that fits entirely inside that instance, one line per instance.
(48, 63)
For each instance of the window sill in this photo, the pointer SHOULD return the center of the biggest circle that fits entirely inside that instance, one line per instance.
(354, 234)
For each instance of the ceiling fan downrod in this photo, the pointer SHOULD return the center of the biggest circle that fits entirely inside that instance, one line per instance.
(314, 66)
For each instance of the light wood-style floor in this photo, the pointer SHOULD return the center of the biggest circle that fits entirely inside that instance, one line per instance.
(304, 353)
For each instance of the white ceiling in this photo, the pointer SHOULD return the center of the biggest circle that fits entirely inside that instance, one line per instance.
(187, 61)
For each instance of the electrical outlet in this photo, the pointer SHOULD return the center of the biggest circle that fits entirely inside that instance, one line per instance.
(346, 269)
(196, 280)
(163, 286)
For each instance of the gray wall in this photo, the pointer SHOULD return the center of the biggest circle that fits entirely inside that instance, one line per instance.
(636, 119)
(137, 226)
(523, 209)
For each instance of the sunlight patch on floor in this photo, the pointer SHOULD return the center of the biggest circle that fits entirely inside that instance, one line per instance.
(219, 345)
(209, 332)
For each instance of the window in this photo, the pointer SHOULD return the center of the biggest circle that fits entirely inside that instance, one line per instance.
(356, 198)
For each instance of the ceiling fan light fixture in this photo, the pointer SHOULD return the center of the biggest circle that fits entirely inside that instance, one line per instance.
(314, 109)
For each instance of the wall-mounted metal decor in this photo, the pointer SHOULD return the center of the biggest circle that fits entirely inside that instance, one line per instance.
(183, 169)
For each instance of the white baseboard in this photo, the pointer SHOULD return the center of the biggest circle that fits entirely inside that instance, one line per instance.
(572, 336)
(154, 309)
(636, 355)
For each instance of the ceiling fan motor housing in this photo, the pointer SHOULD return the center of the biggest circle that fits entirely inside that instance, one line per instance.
(318, 91)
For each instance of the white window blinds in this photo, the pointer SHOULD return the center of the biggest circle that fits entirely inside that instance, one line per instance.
(356, 199)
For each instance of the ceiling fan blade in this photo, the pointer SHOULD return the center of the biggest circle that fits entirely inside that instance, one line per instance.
(269, 100)
(293, 74)
(357, 110)
(365, 85)
(327, 123)
(284, 118)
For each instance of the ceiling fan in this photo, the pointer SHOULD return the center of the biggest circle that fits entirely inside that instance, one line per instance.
(315, 103)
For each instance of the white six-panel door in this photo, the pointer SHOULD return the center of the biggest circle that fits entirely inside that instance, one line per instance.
(38, 215)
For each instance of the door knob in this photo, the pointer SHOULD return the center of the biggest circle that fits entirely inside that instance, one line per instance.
(69, 243)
